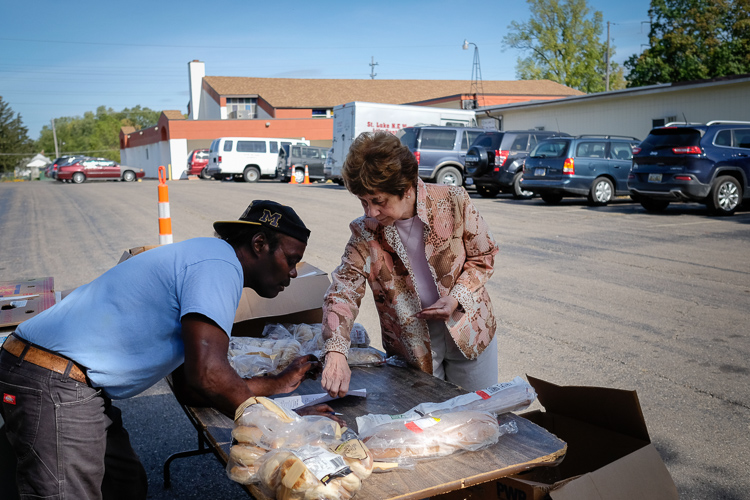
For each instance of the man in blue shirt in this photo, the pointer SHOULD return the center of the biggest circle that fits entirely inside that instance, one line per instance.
(167, 310)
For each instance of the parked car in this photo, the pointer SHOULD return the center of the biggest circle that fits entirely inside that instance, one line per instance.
(97, 169)
(588, 165)
(246, 158)
(51, 170)
(707, 164)
(440, 151)
(494, 162)
(197, 162)
(293, 159)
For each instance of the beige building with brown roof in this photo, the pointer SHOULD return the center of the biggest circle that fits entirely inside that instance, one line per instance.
(222, 106)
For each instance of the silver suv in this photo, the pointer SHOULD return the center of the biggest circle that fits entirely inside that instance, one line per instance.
(440, 151)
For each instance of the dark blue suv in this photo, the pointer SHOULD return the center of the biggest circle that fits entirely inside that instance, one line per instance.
(594, 166)
(708, 164)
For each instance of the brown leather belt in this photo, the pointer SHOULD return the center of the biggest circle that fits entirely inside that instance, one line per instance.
(45, 359)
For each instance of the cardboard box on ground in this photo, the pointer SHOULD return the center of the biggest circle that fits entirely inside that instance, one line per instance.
(609, 456)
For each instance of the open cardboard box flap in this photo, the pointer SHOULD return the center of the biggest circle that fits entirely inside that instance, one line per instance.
(300, 302)
(609, 455)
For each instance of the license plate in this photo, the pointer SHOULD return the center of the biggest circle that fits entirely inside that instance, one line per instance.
(540, 172)
(654, 177)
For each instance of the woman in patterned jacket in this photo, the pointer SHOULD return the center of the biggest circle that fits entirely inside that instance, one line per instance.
(426, 253)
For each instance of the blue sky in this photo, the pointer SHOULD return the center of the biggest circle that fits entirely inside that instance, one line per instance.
(65, 58)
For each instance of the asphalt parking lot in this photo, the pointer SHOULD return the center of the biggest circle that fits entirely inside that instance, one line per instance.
(607, 296)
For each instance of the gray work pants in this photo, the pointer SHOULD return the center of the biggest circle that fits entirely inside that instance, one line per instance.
(68, 439)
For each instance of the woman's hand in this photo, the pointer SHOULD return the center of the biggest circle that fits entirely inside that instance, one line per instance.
(440, 310)
(336, 375)
(322, 410)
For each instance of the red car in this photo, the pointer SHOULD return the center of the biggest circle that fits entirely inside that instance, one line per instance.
(97, 169)
(197, 162)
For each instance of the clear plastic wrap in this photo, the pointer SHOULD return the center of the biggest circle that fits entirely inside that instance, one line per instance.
(431, 437)
(365, 356)
(251, 357)
(498, 399)
(296, 457)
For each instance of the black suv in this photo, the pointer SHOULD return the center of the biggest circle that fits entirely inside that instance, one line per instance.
(595, 166)
(707, 164)
(440, 151)
(494, 161)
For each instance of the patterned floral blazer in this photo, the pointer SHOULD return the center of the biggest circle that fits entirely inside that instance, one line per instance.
(460, 252)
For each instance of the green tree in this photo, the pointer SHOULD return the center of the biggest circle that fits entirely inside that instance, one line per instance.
(14, 138)
(95, 133)
(693, 40)
(564, 41)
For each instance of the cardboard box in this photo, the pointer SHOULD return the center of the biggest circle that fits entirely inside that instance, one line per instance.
(610, 455)
(24, 299)
(300, 302)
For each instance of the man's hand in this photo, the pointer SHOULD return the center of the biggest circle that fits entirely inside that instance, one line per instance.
(336, 375)
(297, 371)
(322, 410)
(440, 310)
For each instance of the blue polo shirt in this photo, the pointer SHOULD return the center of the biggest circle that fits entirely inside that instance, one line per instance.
(124, 326)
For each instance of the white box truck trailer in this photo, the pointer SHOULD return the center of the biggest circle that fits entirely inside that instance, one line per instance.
(353, 118)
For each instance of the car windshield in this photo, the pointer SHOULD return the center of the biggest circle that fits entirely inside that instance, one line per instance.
(488, 140)
(550, 149)
(201, 155)
(668, 138)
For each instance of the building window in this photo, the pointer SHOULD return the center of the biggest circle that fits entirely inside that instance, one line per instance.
(659, 122)
(321, 113)
(242, 108)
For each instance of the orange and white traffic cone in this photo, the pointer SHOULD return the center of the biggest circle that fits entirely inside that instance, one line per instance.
(307, 176)
(165, 221)
(294, 176)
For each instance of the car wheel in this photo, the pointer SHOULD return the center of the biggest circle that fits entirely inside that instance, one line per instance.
(128, 176)
(79, 177)
(450, 176)
(520, 193)
(552, 198)
(204, 175)
(654, 205)
(601, 191)
(299, 175)
(251, 174)
(487, 192)
(725, 196)
(340, 182)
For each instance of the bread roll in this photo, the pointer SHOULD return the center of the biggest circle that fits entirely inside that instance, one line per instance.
(433, 436)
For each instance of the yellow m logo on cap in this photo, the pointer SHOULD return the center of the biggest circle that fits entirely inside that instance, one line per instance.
(272, 219)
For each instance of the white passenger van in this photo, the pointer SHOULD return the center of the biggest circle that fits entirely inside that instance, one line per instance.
(246, 158)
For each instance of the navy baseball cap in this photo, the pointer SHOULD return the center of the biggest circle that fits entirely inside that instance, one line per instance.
(270, 214)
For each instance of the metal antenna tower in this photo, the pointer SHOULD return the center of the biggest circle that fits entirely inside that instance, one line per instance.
(476, 75)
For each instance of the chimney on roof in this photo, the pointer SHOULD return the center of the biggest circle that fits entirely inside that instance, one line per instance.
(196, 72)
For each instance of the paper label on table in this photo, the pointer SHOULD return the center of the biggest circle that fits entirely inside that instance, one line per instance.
(421, 424)
(322, 463)
(354, 448)
(304, 400)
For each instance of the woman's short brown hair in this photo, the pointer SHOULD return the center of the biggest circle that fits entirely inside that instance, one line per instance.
(378, 161)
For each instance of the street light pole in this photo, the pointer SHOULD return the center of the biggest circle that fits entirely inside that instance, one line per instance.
(476, 74)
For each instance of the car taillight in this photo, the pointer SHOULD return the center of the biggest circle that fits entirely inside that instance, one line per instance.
(569, 167)
(219, 159)
(687, 150)
(500, 156)
(417, 155)
(683, 178)
(636, 151)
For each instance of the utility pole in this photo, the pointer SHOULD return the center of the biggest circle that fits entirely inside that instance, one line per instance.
(607, 56)
(54, 136)
(372, 68)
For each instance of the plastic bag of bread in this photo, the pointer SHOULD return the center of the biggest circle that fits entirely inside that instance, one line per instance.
(365, 356)
(431, 437)
(359, 336)
(498, 399)
(309, 473)
(251, 356)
